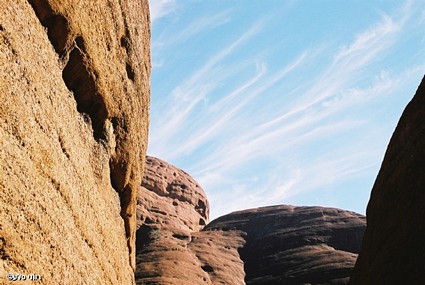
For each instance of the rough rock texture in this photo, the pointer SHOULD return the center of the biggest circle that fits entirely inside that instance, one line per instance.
(168, 183)
(296, 245)
(172, 209)
(74, 87)
(393, 249)
(279, 244)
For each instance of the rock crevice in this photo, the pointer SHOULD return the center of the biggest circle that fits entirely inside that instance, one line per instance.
(73, 137)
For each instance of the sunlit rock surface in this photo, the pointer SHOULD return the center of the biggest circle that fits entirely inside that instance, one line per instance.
(171, 248)
(74, 87)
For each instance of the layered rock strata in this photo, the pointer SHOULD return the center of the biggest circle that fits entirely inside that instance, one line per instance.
(393, 249)
(271, 245)
(74, 85)
(296, 245)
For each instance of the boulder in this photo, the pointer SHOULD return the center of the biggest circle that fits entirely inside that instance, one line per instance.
(74, 84)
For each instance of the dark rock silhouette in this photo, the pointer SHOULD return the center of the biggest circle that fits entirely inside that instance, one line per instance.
(393, 249)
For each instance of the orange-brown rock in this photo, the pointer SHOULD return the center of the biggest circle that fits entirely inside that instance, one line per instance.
(393, 248)
(74, 87)
(171, 249)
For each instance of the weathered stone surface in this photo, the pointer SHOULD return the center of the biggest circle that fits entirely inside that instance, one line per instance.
(172, 209)
(189, 203)
(393, 248)
(296, 245)
(74, 87)
(279, 244)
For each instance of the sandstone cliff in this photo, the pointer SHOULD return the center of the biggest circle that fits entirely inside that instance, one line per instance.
(74, 86)
(393, 249)
(271, 245)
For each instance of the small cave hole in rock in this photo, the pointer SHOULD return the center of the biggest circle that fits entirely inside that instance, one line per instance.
(207, 268)
(181, 237)
(149, 221)
(80, 43)
(130, 72)
(78, 79)
(125, 43)
(143, 237)
(201, 208)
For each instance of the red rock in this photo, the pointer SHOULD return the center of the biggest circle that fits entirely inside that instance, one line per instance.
(172, 209)
(170, 195)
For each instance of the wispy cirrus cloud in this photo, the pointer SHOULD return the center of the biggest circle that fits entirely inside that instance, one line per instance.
(193, 91)
(286, 128)
(197, 26)
(161, 8)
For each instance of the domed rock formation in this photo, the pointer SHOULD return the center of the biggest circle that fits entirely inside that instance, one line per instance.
(393, 249)
(74, 83)
(271, 245)
(172, 209)
(296, 245)
(188, 200)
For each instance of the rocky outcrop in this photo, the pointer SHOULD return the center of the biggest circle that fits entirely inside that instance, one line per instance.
(74, 85)
(271, 245)
(393, 249)
(172, 209)
(163, 183)
(296, 245)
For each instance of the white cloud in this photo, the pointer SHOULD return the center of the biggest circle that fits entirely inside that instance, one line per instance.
(255, 142)
(197, 26)
(161, 8)
(186, 96)
(368, 43)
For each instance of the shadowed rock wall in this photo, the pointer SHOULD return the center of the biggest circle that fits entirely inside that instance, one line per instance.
(74, 86)
(393, 248)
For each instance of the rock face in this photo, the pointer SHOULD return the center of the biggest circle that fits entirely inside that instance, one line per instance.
(74, 85)
(296, 245)
(172, 209)
(393, 249)
(272, 245)
(166, 183)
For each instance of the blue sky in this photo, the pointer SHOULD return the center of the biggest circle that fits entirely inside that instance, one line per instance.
(282, 102)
